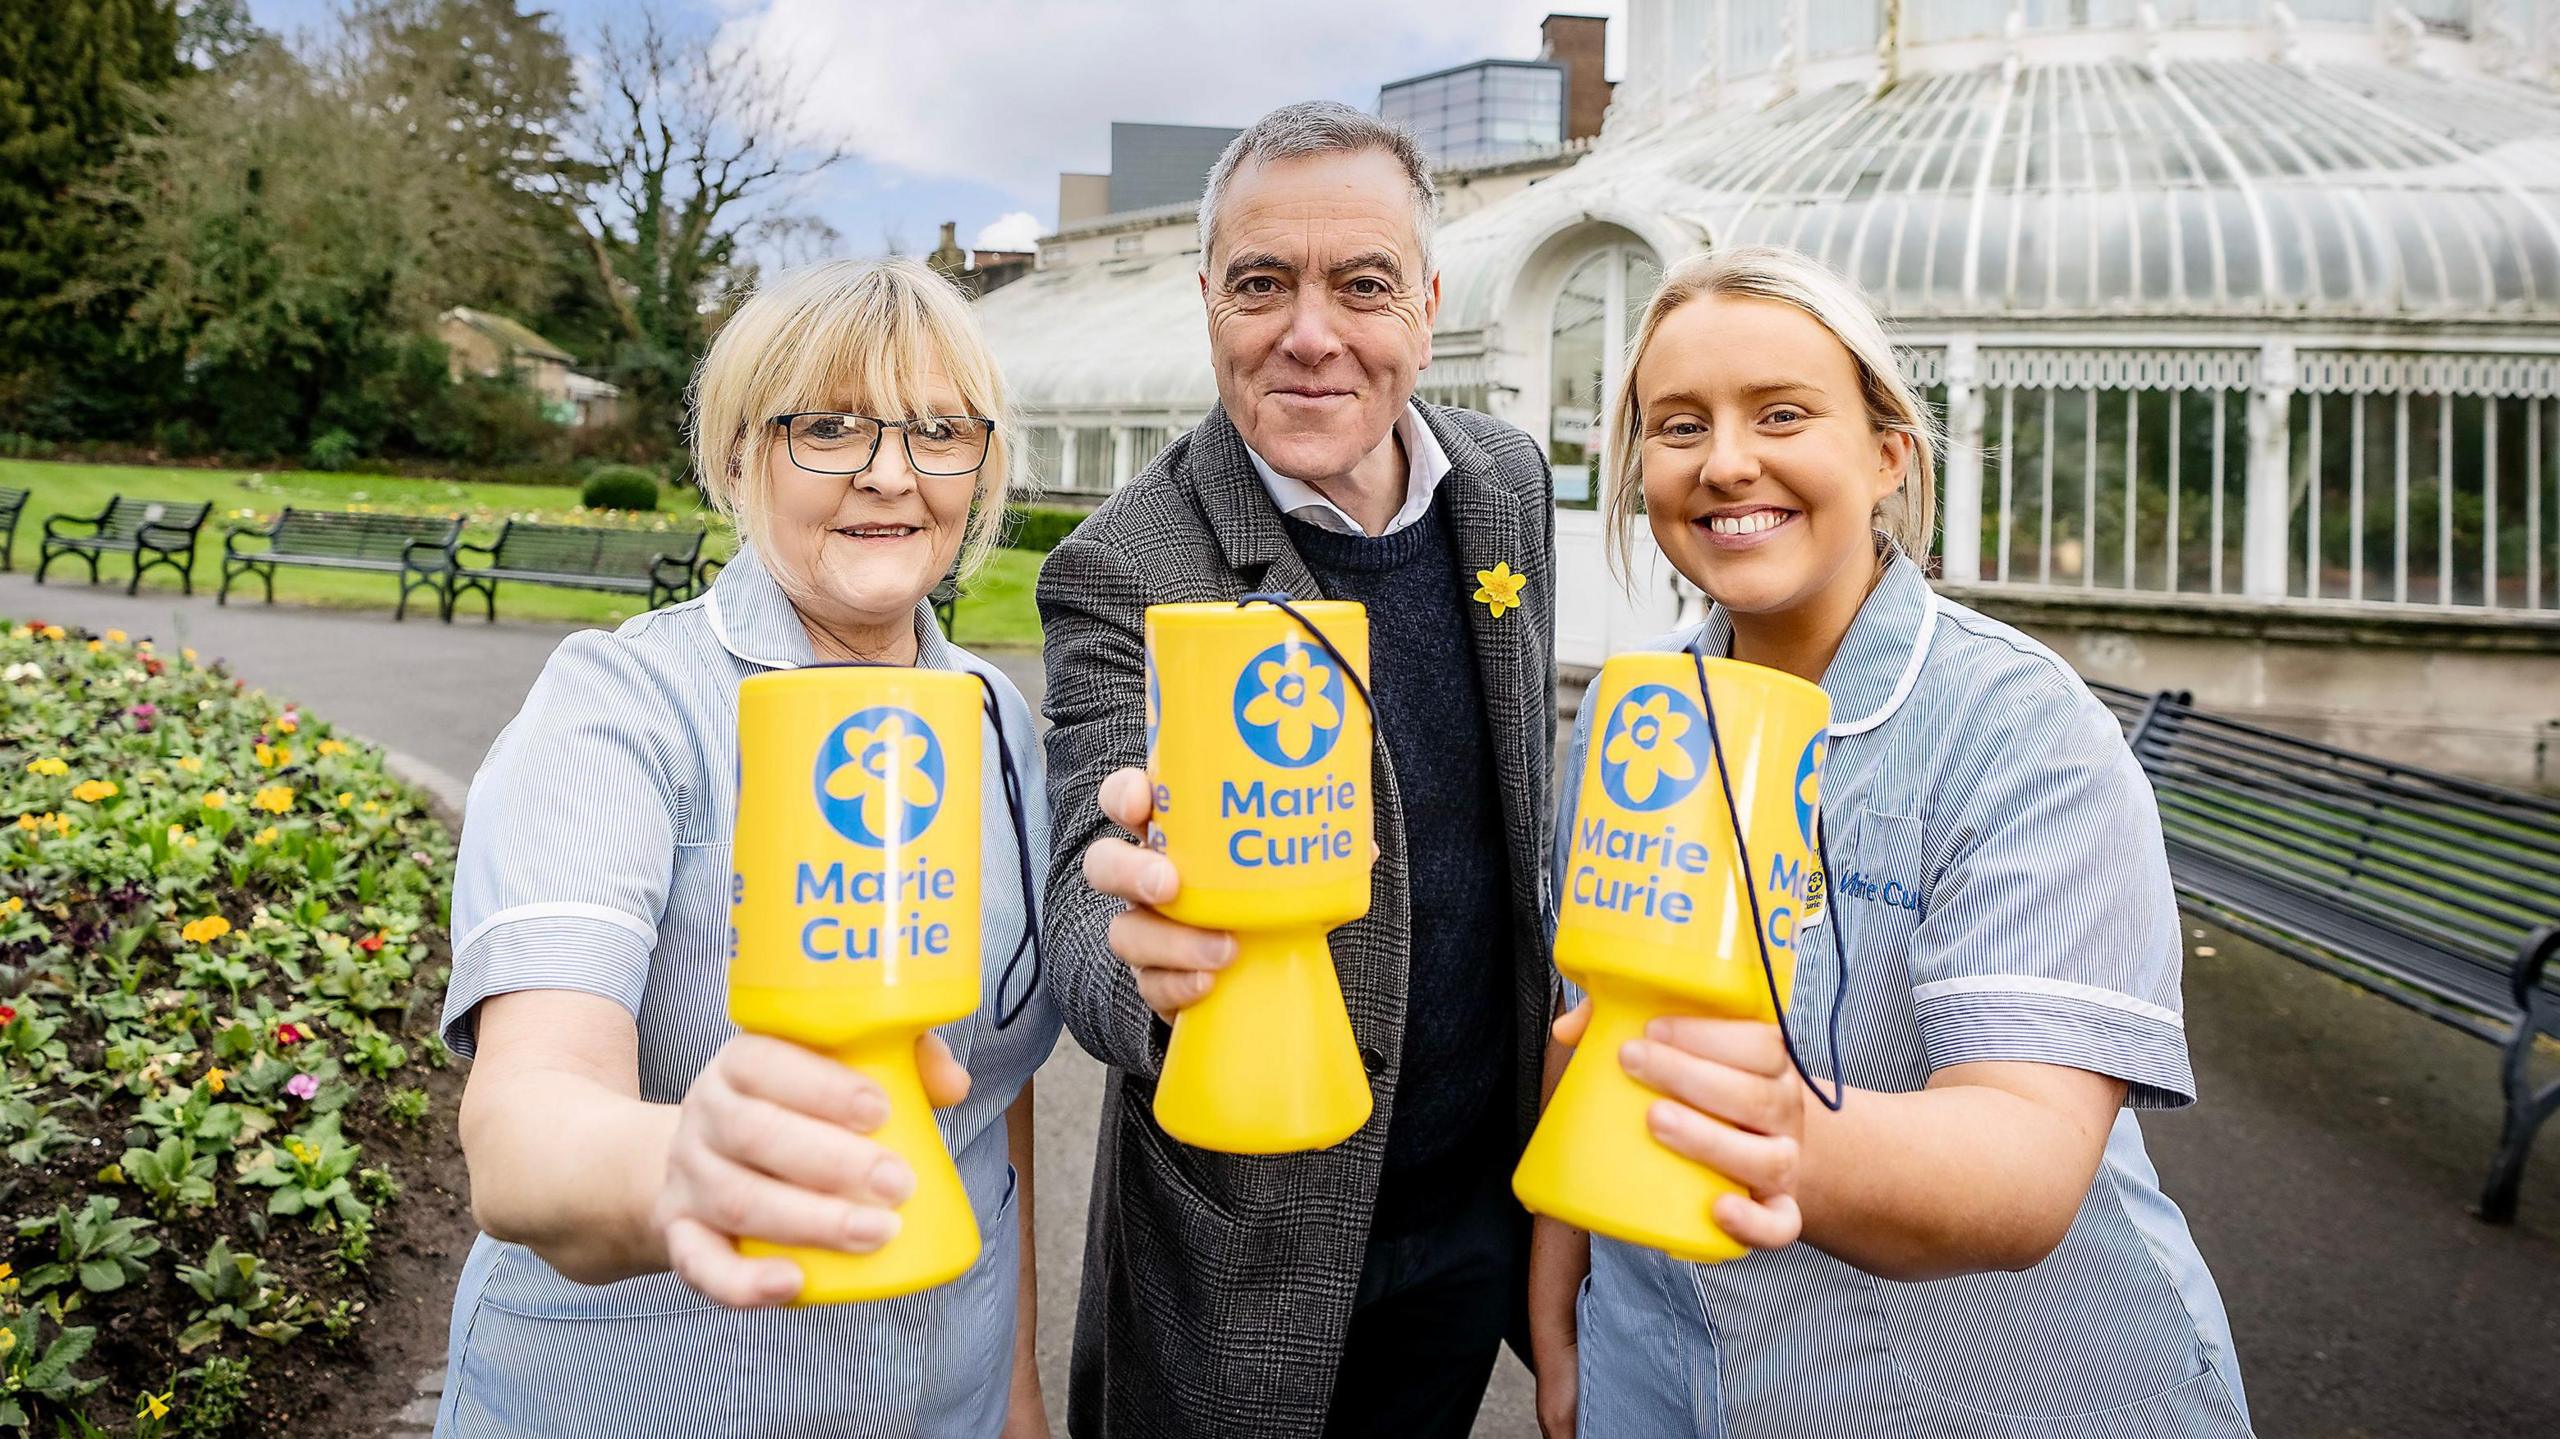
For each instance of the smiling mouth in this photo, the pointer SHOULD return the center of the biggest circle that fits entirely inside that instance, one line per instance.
(1743, 524)
(1314, 394)
(878, 532)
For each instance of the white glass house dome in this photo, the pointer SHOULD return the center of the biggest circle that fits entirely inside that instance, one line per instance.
(2227, 302)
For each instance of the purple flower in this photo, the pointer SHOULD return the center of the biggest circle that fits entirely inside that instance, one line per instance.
(144, 710)
(302, 1086)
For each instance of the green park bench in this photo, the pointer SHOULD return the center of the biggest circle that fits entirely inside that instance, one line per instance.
(13, 503)
(2436, 892)
(660, 565)
(417, 548)
(154, 532)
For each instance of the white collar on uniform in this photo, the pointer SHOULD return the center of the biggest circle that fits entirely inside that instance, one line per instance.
(755, 621)
(1878, 661)
(1425, 464)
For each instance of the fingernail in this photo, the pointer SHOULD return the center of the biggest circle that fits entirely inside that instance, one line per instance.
(1634, 1053)
(1658, 1029)
(869, 1229)
(893, 1181)
(870, 1111)
(1226, 950)
(1161, 882)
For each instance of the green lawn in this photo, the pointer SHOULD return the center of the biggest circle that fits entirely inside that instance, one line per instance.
(997, 612)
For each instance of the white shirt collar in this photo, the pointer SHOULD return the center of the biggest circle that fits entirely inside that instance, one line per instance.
(1425, 464)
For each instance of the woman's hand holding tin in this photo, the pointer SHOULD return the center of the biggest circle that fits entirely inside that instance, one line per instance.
(770, 1143)
(1732, 1102)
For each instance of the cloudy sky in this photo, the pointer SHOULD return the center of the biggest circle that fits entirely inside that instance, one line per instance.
(967, 110)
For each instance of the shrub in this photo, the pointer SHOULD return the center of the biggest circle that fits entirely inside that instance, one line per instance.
(1039, 528)
(620, 487)
(334, 450)
(218, 921)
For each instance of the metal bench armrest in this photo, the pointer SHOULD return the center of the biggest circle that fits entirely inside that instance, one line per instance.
(2533, 960)
(187, 532)
(441, 549)
(238, 530)
(463, 547)
(95, 522)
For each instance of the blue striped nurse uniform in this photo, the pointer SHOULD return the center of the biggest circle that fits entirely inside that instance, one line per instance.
(596, 858)
(2000, 885)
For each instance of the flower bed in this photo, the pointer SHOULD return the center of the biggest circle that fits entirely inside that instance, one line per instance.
(220, 948)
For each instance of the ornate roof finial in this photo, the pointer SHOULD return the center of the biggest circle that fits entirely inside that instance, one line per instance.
(2014, 32)
(2284, 30)
(2154, 63)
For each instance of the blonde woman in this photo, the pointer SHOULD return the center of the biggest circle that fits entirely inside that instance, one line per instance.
(621, 1135)
(1974, 1243)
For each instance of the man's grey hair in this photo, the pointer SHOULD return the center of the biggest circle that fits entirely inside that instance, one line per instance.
(1322, 127)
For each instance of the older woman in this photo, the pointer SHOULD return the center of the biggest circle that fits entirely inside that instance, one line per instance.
(621, 1134)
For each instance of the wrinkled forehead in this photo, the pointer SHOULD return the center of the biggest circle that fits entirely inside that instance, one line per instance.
(1315, 211)
(898, 374)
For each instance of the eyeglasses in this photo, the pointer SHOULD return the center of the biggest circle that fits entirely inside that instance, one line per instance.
(827, 442)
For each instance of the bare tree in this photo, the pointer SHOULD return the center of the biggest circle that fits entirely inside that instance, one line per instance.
(680, 153)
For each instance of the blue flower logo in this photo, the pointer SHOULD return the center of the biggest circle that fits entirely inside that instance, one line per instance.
(1155, 706)
(1809, 785)
(880, 777)
(1655, 749)
(1289, 705)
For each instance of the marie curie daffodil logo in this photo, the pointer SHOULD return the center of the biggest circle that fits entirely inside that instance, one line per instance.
(1498, 589)
(880, 777)
(1809, 785)
(1655, 749)
(1289, 705)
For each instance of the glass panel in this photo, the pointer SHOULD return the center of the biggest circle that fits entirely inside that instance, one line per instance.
(1573, 387)
(1093, 461)
(1038, 461)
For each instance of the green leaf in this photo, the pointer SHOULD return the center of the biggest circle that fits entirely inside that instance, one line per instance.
(199, 1334)
(101, 1276)
(59, 1357)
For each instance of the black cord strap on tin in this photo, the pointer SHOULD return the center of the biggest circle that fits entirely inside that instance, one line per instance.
(1759, 927)
(1280, 601)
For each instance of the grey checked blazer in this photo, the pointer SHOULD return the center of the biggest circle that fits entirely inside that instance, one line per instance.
(1217, 1288)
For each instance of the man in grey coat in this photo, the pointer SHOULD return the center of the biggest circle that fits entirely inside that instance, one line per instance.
(1366, 1288)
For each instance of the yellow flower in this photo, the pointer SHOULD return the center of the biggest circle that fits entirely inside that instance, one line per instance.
(330, 747)
(27, 822)
(214, 1077)
(188, 655)
(1498, 589)
(154, 1406)
(884, 767)
(274, 799)
(371, 807)
(274, 756)
(205, 930)
(346, 797)
(55, 632)
(21, 632)
(288, 726)
(115, 637)
(302, 1153)
(265, 836)
(11, 906)
(190, 764)
(1293, 701)
(187, 843)
(8, 1340)
(216, 799)
(59, 823)
(90, 791)
(49, 765)
(1647, 743)
(6, 1271)
(96, 645)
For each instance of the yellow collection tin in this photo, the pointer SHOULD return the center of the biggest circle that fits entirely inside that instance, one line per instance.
(1654, 919)
(855, 918)
(1258, 749)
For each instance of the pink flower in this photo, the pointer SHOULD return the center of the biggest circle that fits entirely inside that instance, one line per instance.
(302, 1086)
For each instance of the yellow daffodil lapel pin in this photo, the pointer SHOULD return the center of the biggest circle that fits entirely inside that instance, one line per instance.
(1498, 589)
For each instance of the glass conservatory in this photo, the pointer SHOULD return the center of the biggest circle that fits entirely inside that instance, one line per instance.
(2219, 298)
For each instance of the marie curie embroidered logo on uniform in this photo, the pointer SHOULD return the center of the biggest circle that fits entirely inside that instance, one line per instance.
(880, 777)
(1289, 705)
(1655, 749)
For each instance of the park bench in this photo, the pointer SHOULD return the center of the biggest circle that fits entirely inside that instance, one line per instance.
(658, 564)
(13, 503)
(2440, 893)
(417, 548)
(154, 532)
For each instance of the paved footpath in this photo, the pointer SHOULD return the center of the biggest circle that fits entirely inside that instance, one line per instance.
(2326, 1173)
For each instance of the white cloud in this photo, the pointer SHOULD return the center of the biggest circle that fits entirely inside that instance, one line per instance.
(1010, 92)
(1018, 230)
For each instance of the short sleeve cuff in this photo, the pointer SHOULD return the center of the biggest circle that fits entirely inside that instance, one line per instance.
(2023, 1018)
(590, 948)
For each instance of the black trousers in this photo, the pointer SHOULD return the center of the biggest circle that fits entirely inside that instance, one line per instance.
(1433, 1309)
